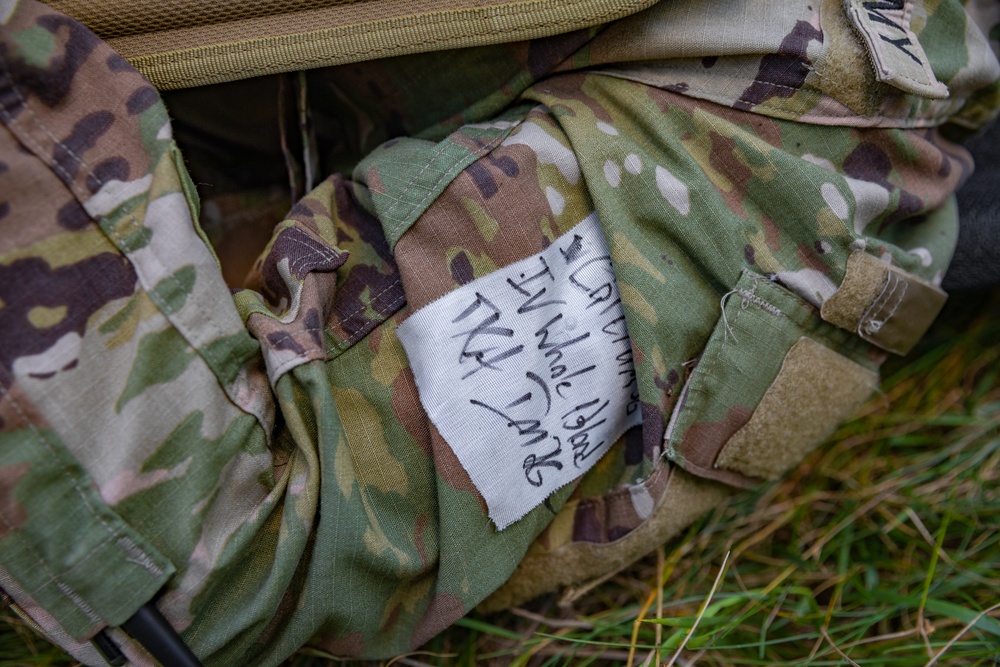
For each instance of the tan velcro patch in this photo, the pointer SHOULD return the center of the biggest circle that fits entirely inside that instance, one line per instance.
(685, 498)
(814, 391)
(883, 304)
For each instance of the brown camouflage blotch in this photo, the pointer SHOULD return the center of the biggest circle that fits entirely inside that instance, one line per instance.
(373, 178)
(142, 99)
(909, 205)
(763, 127)
(703, 440)
(811, 259)
(82, 288)
(461, 269)
(772, 233)
(82, 137)
(17, 410)
(50, 84)
(450, 469)
(573, 87)
(443, 610)
(483, 179)
(868, 162)
(422, 252)
(307, 208)
(384, 296)
(32, 217)
(782, 74)
(73, 216)
(350, 645)
(12, 513)
(111, 169)
(62, 104)
(305, 254)
(410, 414)
(724, 160)
(621, 515)
(588, 521)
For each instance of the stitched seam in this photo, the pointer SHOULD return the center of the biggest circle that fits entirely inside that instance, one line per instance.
(116, 236)
(37, 121)
(876, 50)
(81, 604)
(912, 117)
(486, 148)
(323, 253)
(305, 38)
(63, 588)
(113, 233)
(751, 297)
(398, 200)
(202, 350)
(395, 305)
(881, 317)
(868, 319)
(297, 360)
(360, 309)
(895, 306)
(138, 556)
(312, 348)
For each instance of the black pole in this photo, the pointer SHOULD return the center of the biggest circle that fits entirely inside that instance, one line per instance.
(148, 627)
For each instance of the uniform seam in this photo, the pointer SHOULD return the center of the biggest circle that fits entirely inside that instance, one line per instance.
(113, 233)
(445, 173)
(71, 182)
(201, 350)
(397, 200)
(116, 236)
(360, 309)
(912, 120)
(326, 253)
(54, 578)
(73, 186)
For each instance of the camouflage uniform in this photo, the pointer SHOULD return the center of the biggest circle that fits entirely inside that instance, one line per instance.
(774, 200)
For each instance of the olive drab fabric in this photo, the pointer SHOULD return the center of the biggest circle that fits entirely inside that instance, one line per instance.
(737, 213)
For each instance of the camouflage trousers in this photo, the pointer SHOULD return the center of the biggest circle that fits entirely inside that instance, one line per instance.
(491, 361)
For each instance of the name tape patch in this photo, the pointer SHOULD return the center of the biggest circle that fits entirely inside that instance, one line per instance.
(899, 60)
(527, 372)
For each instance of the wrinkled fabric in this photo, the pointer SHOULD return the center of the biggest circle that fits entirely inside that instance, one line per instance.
(260, 458)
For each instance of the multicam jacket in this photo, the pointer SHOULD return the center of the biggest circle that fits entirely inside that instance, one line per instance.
(557, 299)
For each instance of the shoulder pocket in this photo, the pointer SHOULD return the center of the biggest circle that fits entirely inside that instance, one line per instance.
(772, 383)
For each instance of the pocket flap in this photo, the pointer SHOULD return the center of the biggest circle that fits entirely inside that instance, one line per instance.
(772, 383)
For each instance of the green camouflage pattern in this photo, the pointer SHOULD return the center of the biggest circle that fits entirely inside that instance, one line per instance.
(260, 458)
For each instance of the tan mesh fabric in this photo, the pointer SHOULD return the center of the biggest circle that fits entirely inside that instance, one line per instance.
(114, 18)
(189, 43)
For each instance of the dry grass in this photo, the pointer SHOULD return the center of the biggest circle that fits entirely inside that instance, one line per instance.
(882, 549)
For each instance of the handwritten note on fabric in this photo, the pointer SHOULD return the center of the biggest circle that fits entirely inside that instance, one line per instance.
(527, 372)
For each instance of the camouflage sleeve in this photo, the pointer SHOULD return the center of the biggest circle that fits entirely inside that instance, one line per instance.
(134, 418)
(512, 354)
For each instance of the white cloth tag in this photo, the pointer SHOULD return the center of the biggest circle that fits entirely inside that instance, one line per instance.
(527, 372)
